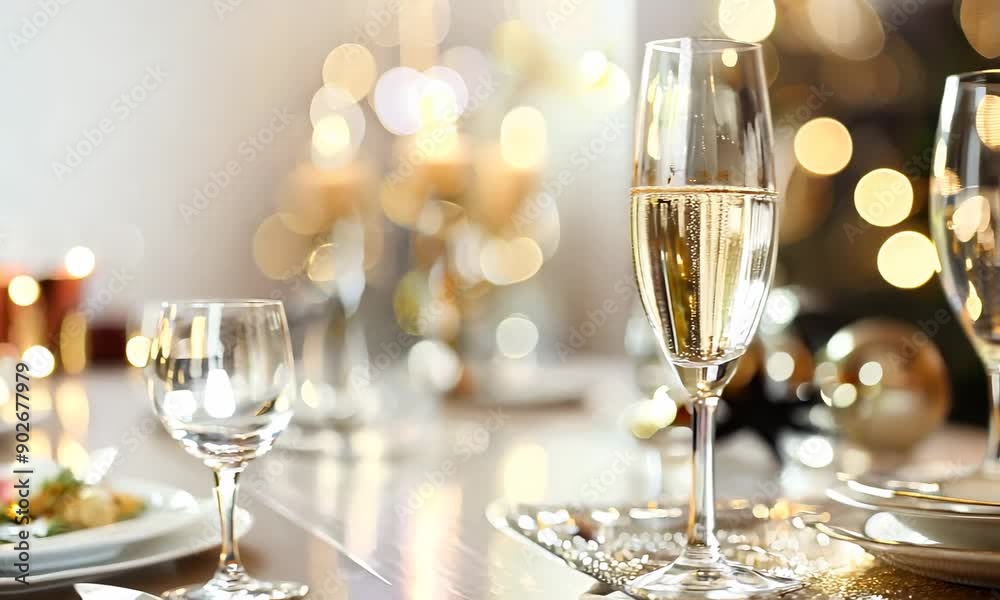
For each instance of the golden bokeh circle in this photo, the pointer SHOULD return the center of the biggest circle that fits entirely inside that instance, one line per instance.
(352, 68)
(279, 252)
(907, 260)
(988, 121)
(523, 137)
(884, 197)
(747, 20)
(23, 290)
(823, 146)
(980, 21)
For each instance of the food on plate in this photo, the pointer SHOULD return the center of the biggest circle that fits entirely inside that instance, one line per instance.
(65, 503)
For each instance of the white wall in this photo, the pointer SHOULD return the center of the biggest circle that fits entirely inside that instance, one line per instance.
(223, 76)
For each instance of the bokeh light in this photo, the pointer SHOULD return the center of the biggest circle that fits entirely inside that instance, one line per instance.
(458, 96)
(592, 66)
(331, 141)
(279, 252)
(823, 146)
(350, 67)
(330, 110)
(619, 86)
(423, 23)
(988, 121)
(471, 64)
(523, 138)
(780, 366)
(137, 350)
(884, 197)
(907, 260)
(505, 262)
(517, 47)
(23, 290)
(80, 261)
(973, 303)
(41, 361)
(972, 216)
(516, 336)
(434, 363)
(396, 100)
(870, 373)
(980, 20)
(730, 57)
(747, 20)
(654, 414)
(850, 29)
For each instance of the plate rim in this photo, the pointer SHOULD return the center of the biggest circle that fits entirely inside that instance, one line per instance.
(117, 565)
(839, 496)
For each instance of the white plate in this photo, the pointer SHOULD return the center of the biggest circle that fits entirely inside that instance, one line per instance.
(890, 539)
(168, 509)
(200, 536)
(939, 521)
(973, 494)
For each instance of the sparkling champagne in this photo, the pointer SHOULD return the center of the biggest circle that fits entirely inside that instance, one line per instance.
(704, 257)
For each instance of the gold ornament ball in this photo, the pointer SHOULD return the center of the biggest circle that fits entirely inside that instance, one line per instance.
(885, 382)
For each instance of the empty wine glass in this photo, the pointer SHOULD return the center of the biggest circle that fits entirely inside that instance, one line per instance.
(222, 382)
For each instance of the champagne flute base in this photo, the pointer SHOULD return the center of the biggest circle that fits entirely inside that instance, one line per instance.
(686, 579)
(246, 589)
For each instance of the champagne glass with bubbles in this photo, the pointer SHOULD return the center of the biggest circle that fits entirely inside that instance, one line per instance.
(704, 228)
(222, 382)
(965, 206)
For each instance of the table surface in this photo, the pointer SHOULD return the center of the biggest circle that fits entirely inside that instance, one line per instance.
(416, 520)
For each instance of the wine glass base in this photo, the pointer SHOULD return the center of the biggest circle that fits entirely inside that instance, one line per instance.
(719, 580)
(248, 589)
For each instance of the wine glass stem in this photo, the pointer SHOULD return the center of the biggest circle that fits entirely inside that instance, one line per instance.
(702, 545)
(227, 481)
(991, 463)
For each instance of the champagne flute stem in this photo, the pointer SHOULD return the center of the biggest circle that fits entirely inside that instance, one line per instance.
(991, 463)
(702, 545)
(227, 480)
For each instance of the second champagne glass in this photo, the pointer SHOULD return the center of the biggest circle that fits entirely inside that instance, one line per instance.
(965, 206)
(704, 219)
(222, 382)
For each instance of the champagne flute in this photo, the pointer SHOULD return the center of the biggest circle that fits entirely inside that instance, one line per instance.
(704, 241)
(965, 206)
(222, 382)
